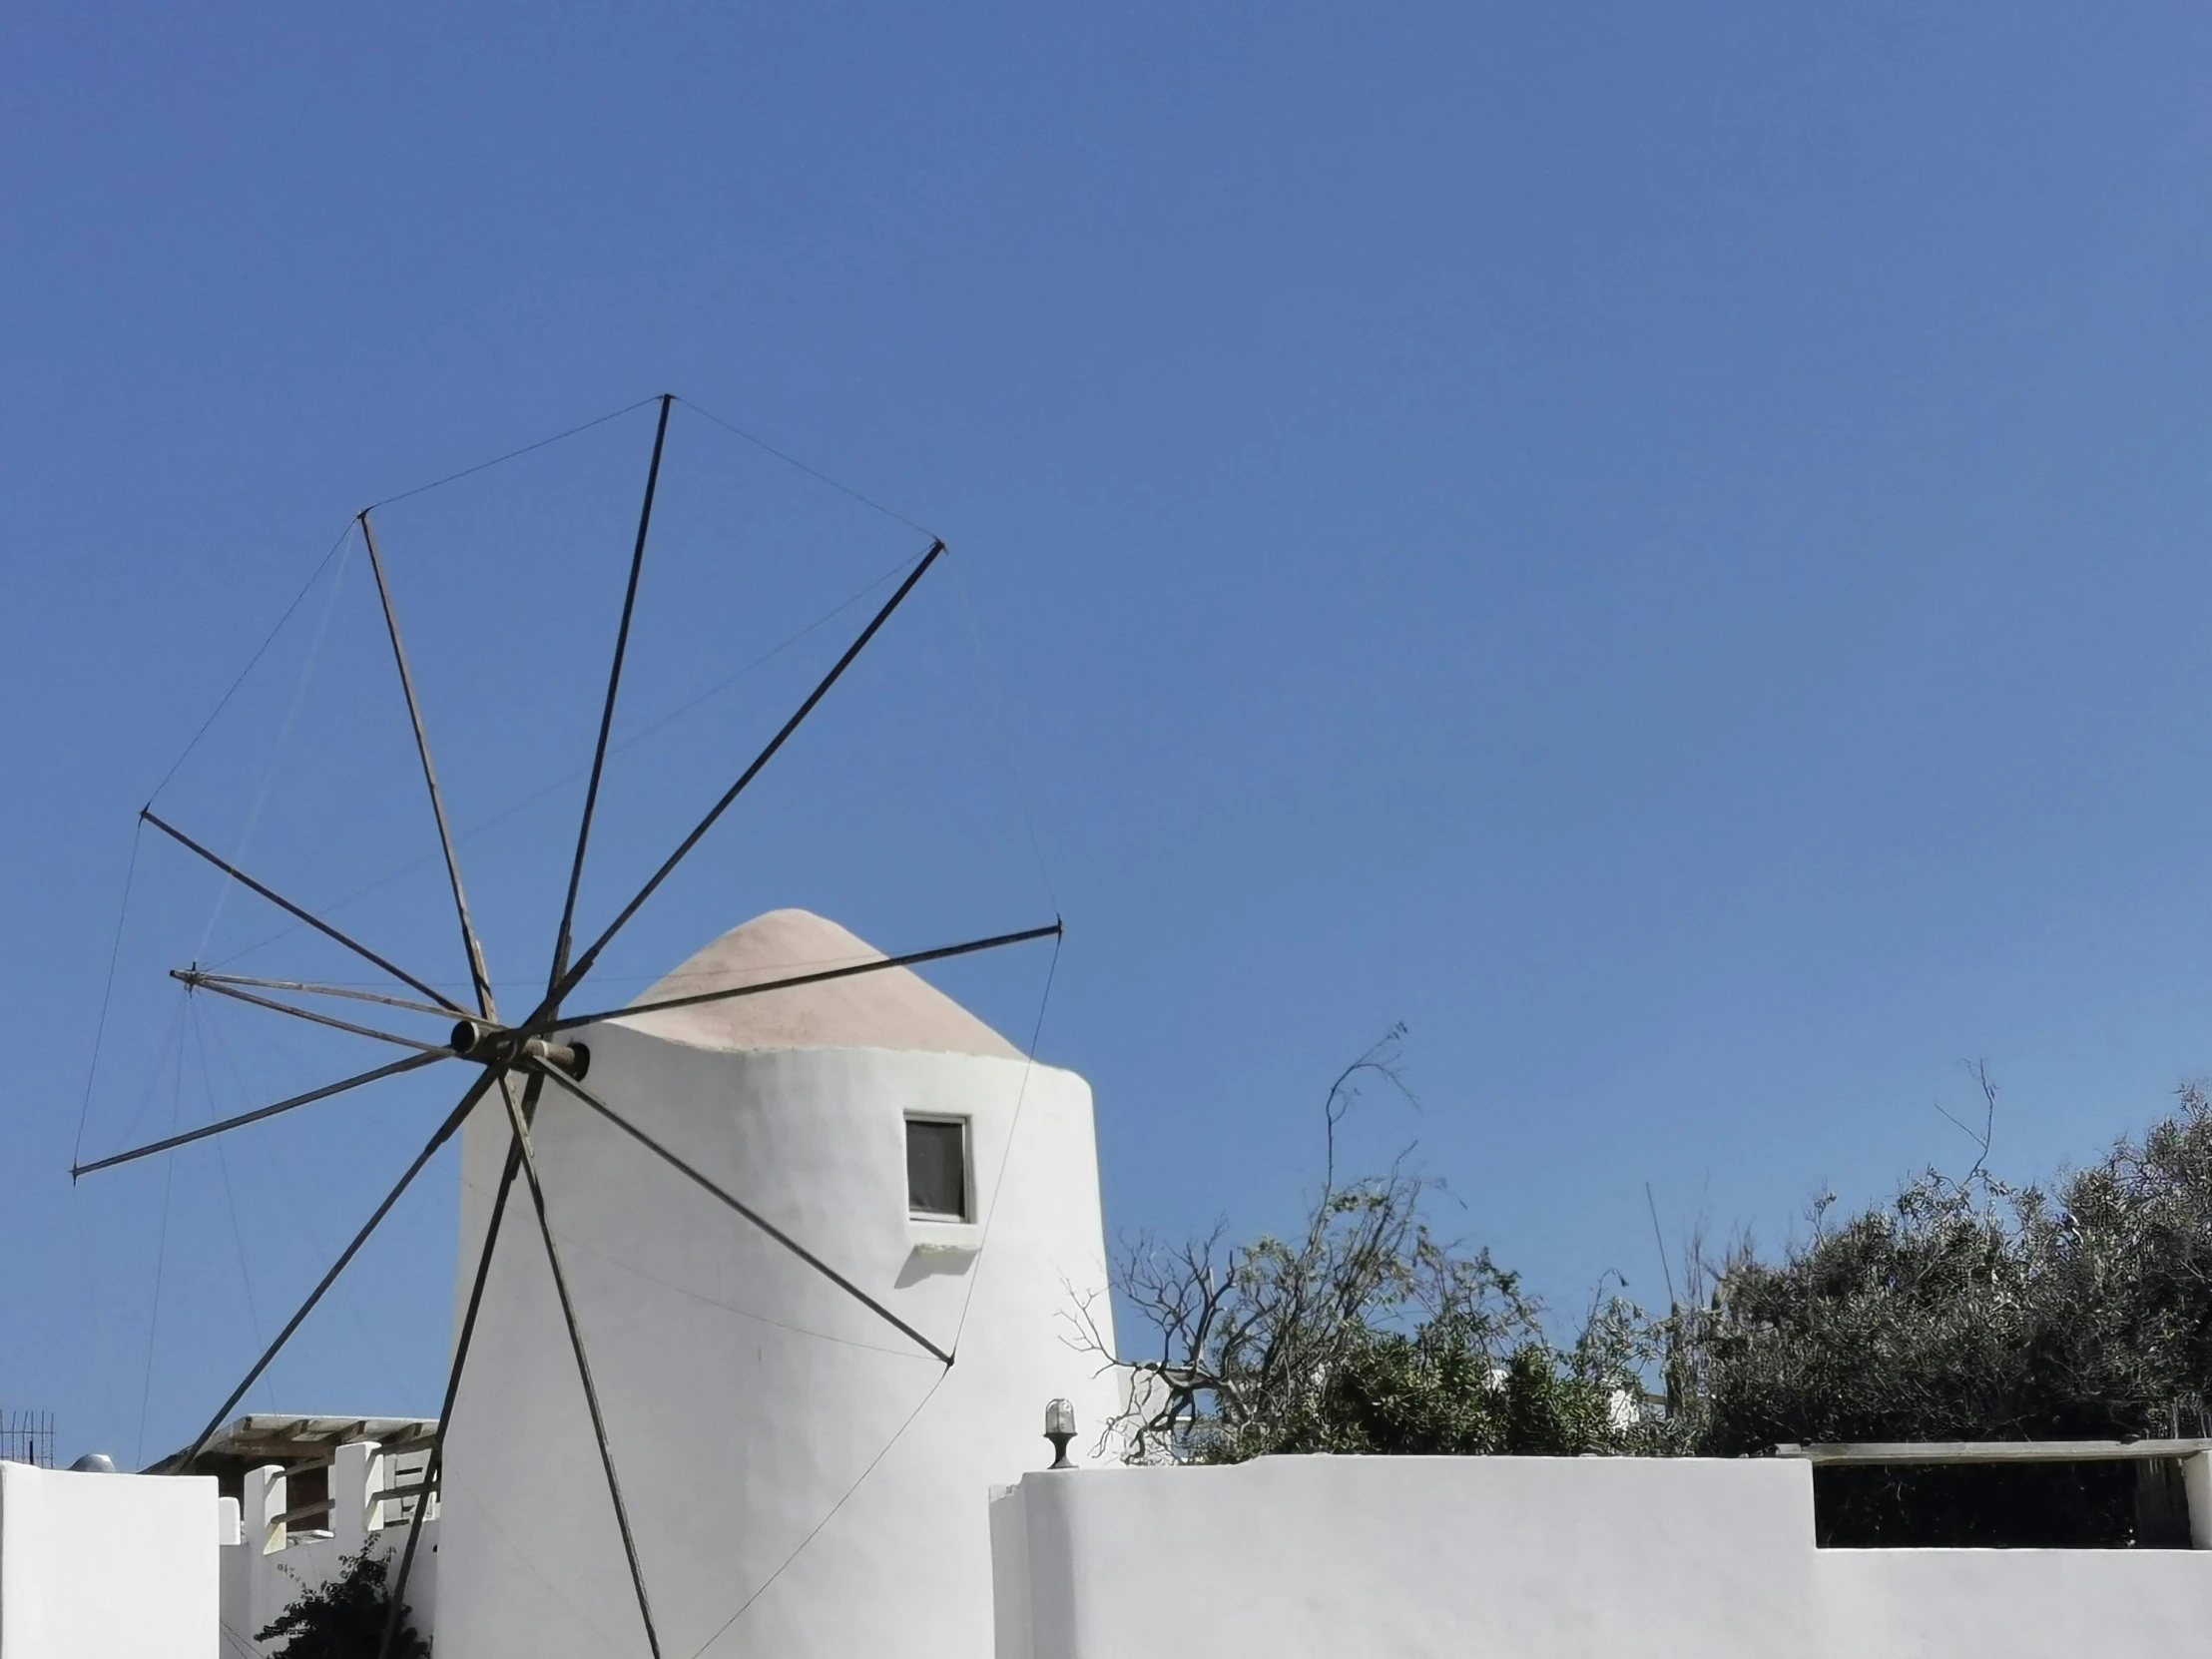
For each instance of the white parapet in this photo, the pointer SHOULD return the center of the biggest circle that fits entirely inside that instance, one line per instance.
(108, 1566)
(275, 1564)
(1540, 1558)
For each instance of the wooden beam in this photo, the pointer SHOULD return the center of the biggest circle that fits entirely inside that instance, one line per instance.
(1995, 1451)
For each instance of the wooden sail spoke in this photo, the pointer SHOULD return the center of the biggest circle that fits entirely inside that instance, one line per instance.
(562, 939)
(469, 942)
(571, 1021)
(708, 1185)
(198, 981)
(276, 898)
(568, 980)
(515, 1119)
(444, 1133)
(309, 987)
(413, 1062)
(436, 1464)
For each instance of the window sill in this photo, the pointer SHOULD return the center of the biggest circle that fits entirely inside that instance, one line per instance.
(944, 1238)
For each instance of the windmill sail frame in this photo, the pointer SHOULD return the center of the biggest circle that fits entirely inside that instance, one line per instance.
(527, 1048)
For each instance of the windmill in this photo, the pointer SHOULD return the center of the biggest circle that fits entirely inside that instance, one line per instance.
(518, 1060)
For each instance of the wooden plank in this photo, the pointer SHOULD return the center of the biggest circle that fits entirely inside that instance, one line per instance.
(1995, 1451)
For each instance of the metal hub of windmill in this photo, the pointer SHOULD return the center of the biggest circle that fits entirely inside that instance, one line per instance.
(531, 1050)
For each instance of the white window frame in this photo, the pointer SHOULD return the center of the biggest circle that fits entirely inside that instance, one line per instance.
(933, 1233)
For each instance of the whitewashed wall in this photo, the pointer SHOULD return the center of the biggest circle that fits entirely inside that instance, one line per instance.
(1539, 1559)
(106, 1567)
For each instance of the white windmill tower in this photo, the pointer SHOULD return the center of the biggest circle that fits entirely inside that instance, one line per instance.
(805, 1468)
(806, 1237)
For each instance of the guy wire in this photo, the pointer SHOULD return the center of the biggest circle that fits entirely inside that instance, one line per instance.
(1006, 1154)
(229, 1199)
(986, 667)
(283, 739)
(259, 652)
(463, 836)
(815, 473)
(107, 991)
(510, 455)
(800, 1548)
(161, 1257)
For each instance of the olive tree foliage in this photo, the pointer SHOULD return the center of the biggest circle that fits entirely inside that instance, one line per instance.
(1366, 1330)
(1969, 1309)
(1963, 1307)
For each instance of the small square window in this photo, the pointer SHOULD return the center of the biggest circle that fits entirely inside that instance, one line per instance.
(936, 1168)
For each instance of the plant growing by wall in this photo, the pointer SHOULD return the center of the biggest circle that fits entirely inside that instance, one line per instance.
(344, 1617)
(1962, 1309)
(1365, 1332)
(1970, 1309)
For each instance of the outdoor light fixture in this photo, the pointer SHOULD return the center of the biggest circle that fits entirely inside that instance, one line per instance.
(1059, 1428)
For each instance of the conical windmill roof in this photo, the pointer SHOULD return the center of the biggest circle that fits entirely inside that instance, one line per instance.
(893, 1008)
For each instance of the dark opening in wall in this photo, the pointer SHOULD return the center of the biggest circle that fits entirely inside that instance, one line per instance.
(2136, 1505)
(937, 1169)
(305, 1486)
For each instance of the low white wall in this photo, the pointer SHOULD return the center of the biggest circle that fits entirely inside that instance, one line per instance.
(106, 1567)
(1538, 1557)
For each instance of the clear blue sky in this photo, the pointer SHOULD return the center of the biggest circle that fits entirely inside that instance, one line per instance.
(1664, 548)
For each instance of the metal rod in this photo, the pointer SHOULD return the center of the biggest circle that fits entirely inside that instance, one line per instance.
(563, 940)
(286, 905)
(583, 1361)
(429, 1150)
(435, 1467)
(413, 1062)
(582, 966)
(476, 969)
(309, 987)
(707, 1183)
(570, 1021)
(199, 982)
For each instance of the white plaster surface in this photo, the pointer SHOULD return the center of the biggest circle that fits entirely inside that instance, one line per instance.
(106, 1567)
(801, 1479)
(2014, 1603)
(1539, 1559)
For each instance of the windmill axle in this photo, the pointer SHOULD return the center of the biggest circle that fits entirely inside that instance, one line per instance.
(499, 1046)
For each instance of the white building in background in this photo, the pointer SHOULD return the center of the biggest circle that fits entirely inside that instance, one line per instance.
(109, 1566)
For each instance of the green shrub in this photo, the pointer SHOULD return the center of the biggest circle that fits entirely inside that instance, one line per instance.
(345, 1617)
